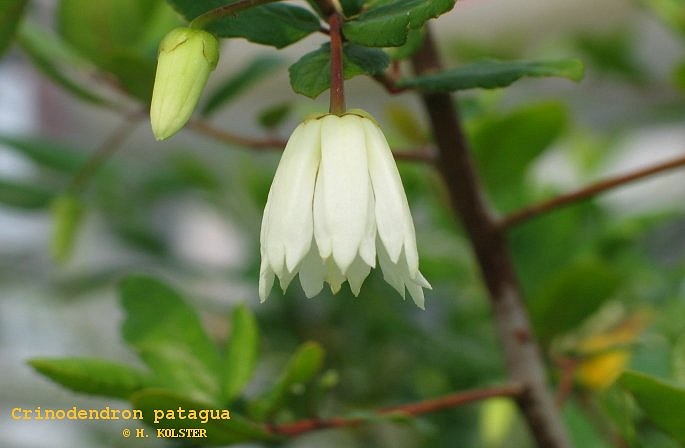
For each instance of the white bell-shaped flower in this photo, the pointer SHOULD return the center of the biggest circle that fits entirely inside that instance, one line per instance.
(336, 205)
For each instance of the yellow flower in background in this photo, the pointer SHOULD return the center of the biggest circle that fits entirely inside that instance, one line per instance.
(336, 205)
(606, 355)
(186, 58)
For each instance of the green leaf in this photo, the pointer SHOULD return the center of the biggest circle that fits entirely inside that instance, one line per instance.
(190, 171)
(582, 430)
(351, 7)
(156, 404)
(46, 153)
(96, 29)
(678, 75)
(257, 69)
(115, 36)
(241, 353)
(389, 24)
(311, 75)
(278, 25)
(302, 367)
(22, 195)
(274, 116)
(411, 46)
(167, 334)
(48, 53)
(135, 72)
(138, 234)
(11, 12)
(92, 376)
(67, 212)
(506, 145)
(662, 403)
(670, 12)
(612, 53)
(490, 74)
(191, 9)
(570, 296)
(544, 246)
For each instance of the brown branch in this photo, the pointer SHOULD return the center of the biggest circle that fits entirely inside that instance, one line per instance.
(389, 81)
(206, 129)
(567, 366)
(588, 192)
(423, 154)
(109, 146)
(521, 351)
(410, 409)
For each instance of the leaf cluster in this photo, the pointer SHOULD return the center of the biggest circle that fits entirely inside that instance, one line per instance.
(185, 368)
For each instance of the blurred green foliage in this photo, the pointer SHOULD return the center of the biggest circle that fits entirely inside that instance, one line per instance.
(586, 269)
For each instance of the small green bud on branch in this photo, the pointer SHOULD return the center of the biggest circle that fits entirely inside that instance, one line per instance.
(186, 58)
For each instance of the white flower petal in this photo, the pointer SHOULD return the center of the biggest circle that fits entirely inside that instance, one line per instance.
(275, 252)
(392, 274)
(334, 277)
(265, 226)
(421, 281)
(266, 280)
(356, 274)
(336, 203)
(289, 234)
(367, 249)
(312, 272)
(416, 292)
(393, 218)
(343, 186)
(322, 233)
(285, 277)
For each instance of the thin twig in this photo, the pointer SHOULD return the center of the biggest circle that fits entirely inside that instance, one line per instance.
(204, 128)
(410, 409)
(424, 154)
(107, 148)
(567, 366)
(389, 81)
(588, 192)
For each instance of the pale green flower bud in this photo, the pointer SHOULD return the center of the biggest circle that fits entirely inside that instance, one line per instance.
(186, 58)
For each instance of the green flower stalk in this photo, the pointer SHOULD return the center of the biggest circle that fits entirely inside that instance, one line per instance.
(186, 58)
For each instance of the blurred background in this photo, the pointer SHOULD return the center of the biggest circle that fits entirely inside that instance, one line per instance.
(188, 210)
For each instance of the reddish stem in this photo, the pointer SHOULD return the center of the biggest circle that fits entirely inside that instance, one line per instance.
(588, 192)
(424, 154)
(389, 81)
(228, 137)
(410, 409)
(337, 78)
